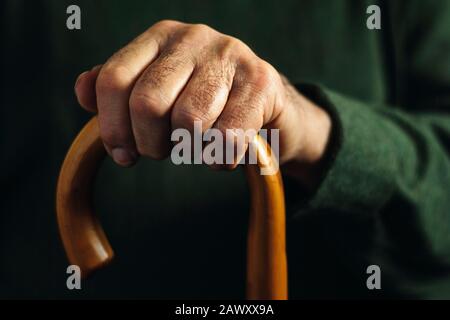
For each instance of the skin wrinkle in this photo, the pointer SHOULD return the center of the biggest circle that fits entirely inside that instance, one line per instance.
(207, 91)
(152, 79)
(210, 82)
(124, 52)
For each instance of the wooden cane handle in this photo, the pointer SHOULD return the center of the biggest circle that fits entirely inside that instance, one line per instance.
(86, 244)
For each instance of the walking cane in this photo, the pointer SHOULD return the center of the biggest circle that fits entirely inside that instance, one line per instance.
(86, 244)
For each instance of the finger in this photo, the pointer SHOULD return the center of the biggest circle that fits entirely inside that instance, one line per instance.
(244, 114)
(113, 88)
(204, 97)
(202, 101)
(85, 89)
(153, 97)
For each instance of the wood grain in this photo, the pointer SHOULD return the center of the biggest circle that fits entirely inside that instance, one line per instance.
(86, 244)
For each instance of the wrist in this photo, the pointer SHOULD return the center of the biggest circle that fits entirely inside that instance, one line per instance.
(316, 129)
(314, 126)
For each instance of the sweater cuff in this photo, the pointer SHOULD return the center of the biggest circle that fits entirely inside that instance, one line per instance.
(359, 164)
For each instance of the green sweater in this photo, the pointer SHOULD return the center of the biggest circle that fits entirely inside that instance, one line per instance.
(384, 197)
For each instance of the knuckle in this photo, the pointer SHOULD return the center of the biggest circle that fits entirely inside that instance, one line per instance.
(166, 23)
(232, 49)
(228, 45)
(261, 76)
(112, 79)
(192, 35)
(200, 28)
(148, 105)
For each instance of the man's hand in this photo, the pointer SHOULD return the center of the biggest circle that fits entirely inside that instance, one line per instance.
(174, 74)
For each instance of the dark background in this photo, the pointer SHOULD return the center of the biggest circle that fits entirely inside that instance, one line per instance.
(178, 232)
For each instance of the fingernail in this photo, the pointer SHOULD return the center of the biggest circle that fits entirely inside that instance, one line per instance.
(122, 157)
(79, 77)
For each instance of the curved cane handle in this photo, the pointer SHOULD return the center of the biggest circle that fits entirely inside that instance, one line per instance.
(86, 244)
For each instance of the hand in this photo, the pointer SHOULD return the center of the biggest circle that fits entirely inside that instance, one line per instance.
(174, 74)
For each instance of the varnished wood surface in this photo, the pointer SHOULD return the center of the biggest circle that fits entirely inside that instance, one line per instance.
(86, 244)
